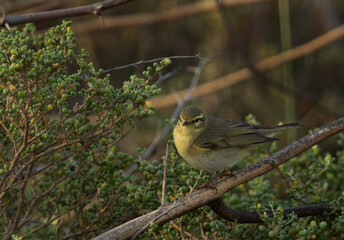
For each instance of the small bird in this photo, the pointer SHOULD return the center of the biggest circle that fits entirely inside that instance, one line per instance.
(215, 144)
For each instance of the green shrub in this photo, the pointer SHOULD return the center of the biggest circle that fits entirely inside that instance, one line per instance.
(60, 172)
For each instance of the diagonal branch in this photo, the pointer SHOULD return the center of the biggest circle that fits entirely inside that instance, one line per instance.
(206, 195)
(92, 9)
(245, 73)
(165, 15)
(237, 43)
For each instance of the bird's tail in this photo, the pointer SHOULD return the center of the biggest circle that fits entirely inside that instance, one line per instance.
(272, 131)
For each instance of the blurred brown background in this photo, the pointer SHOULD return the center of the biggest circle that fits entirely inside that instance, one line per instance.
(308, 89)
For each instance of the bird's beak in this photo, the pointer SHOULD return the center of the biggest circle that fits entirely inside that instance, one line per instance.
(185, 123)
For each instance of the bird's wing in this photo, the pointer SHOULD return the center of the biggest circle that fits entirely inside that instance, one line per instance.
(231, 134)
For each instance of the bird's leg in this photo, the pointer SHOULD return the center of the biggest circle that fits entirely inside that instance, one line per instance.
(206, 184)
(227, 173)
(222, 174)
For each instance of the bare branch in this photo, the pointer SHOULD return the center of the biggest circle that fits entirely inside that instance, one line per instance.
(166, 76)
(139, 19)
(163, 194)
(245, 73)
(206, 195)
(150, 61)
(244, 50)
(92, 9)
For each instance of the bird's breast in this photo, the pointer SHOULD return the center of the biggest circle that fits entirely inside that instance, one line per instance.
(182, 140)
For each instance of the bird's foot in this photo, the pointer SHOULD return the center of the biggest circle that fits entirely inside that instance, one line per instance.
(207, 184)
(226, 173)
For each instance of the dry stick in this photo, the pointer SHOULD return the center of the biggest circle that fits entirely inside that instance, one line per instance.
(139, 19)
(166, 76)
(53, 218)
(183, 232)
(92, 9)
(206, 195)
(264, 65)
(163, 194)
(150, 61)
(94, 221)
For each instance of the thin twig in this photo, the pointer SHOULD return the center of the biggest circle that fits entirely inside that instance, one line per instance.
(150, 61)
(202, 231)
(163, 78)
(183, 231)
(284, 177)
(163, 194)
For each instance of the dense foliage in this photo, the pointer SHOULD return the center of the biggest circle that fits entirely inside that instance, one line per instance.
(60, 172)
(61, 175)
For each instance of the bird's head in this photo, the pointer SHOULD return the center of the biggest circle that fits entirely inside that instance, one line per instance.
(191, 117)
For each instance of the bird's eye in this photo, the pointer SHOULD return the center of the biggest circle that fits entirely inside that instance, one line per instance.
(197, 120)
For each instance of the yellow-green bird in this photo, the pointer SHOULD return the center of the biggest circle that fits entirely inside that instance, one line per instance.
(215, 144)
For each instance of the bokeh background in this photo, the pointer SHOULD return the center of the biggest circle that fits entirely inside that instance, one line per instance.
(234, 36)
